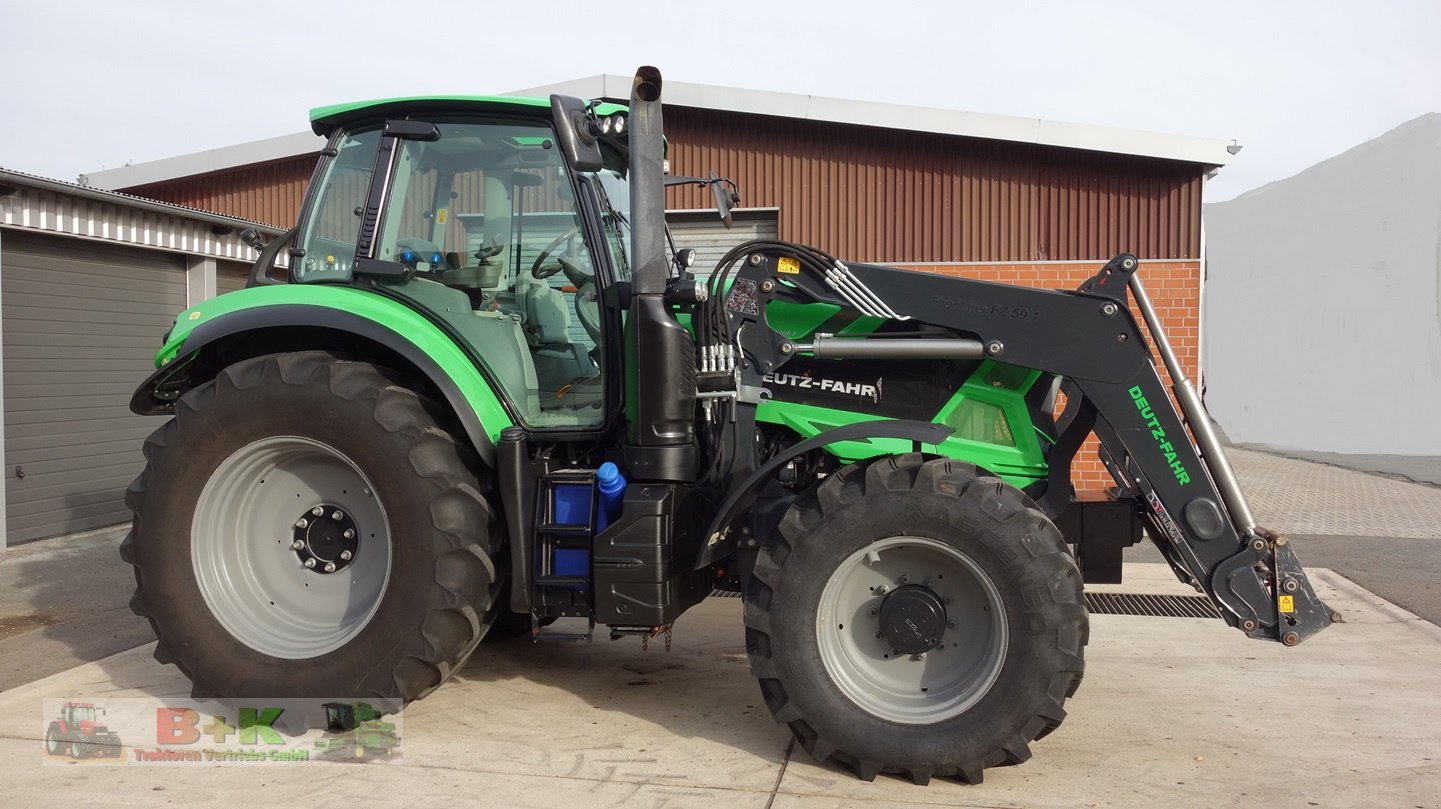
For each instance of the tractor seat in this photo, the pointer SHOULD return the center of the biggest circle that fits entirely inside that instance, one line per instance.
(559, 361)
(546, 318)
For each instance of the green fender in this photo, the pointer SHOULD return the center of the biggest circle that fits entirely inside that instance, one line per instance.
(341, 309)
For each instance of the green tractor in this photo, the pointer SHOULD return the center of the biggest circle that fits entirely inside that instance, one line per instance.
(356, 731)
(488, 392)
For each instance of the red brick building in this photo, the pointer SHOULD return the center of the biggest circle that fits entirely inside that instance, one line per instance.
(1010, 199)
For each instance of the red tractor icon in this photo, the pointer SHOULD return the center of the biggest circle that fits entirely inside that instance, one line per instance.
(78, 734)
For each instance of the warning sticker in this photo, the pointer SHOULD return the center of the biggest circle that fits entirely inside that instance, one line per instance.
(743, 297)
(788, 265)
(1165, 518)
(1286, 604)
(441, 215)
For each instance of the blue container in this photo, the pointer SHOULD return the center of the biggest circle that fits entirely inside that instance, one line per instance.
(610, 492)
(572, 504)
(572, 562)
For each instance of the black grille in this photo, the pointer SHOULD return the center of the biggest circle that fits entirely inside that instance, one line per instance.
(1151, 605)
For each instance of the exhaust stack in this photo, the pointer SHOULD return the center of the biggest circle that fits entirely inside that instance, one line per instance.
(647, 182)
(660, 355)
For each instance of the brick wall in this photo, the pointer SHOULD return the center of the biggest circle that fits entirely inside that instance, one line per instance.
(1175, 291)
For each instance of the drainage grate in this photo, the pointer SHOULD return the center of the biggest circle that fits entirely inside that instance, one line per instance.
(1119, 604)
(1151, 605)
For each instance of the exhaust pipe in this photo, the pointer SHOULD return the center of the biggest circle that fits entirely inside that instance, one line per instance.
(660, 354)
(647, 183)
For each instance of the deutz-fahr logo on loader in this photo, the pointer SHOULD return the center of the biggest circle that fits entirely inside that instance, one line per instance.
(1159, 433)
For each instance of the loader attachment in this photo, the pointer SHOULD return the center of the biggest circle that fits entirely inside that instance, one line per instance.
(1164, 455)
(1198, 514)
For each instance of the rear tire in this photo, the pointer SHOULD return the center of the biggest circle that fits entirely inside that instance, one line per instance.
(960, 571)
(224, 523)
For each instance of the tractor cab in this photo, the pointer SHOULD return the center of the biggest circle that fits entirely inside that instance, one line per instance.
(476, 219)
(76, 714)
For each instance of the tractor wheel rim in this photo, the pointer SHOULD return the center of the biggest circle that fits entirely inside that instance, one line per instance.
(243, 545)
(52, 743)
(926, 687)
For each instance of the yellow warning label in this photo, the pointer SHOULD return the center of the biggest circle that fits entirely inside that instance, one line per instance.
(441, 214)
(788, 265)
(1286, 603)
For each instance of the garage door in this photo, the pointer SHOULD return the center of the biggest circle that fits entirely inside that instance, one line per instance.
(703, 231)
(230, 276)
(81, 326)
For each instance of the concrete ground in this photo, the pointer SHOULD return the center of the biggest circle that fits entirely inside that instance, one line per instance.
(63, 602)
(1415, 468)
(1173, 711)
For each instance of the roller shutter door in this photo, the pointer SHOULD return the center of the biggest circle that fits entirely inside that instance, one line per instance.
(703, 231)
(230, 277)
(82, 323)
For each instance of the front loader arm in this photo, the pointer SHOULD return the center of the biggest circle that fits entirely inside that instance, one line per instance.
(1172, 465)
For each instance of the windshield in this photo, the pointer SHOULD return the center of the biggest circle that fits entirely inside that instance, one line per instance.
(614, 194)
(329, 233)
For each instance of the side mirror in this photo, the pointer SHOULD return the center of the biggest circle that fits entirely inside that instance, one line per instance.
(723, 198)
(578, 132)
(253, 238)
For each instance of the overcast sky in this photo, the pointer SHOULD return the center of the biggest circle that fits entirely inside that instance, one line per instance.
(89, 85)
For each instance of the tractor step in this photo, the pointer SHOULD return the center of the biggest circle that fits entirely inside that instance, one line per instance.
(556, 580)
(565, 520)
(565, 630)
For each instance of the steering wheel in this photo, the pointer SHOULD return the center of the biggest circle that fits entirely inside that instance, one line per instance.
(540, 270)
(587, 309)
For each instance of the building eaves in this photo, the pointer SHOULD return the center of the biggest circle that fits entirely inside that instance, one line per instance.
(1209, 152)
(12, 179)
(211, 160)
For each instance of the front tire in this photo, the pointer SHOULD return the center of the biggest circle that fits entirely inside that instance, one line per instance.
(916, 617)
(305, 528)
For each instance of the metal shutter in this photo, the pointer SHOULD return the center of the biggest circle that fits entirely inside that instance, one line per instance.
(703, 231)
(82, 323)
(230, 277)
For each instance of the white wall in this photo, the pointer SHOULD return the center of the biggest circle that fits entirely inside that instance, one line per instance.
(1323, 302)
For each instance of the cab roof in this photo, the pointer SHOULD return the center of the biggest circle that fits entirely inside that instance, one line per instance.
(324, 120)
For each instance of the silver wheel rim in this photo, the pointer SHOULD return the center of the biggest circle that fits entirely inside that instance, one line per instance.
(250, 575)
(911, 688)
